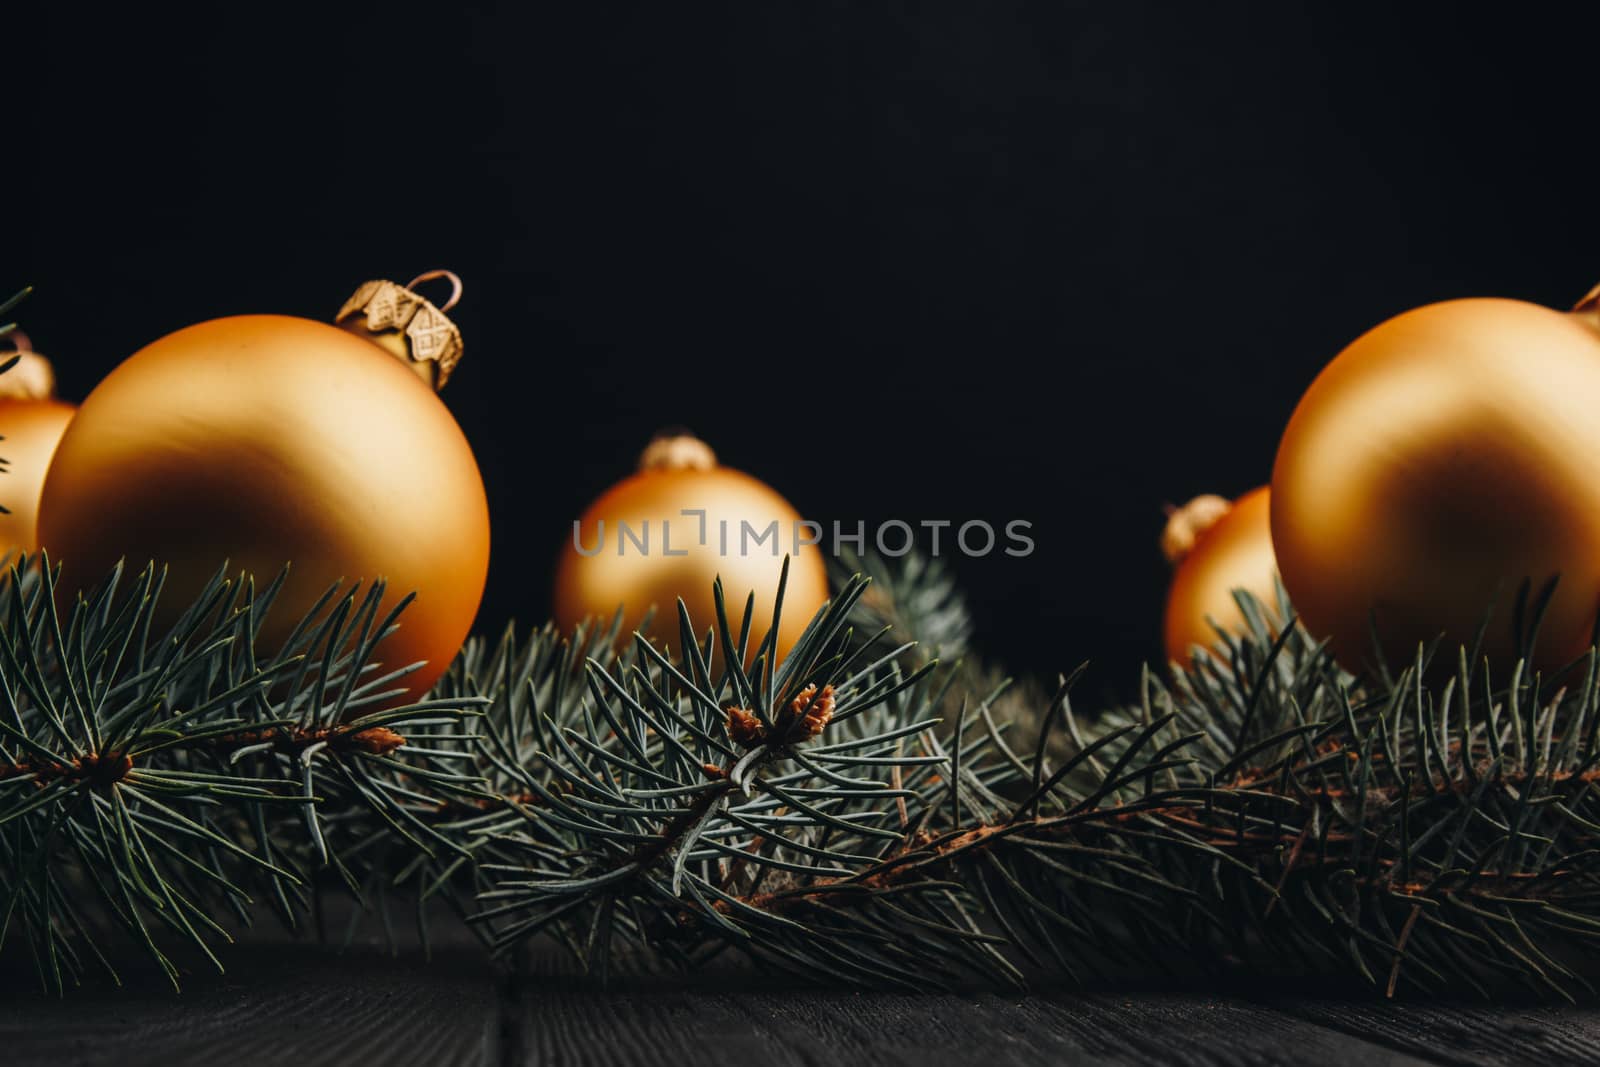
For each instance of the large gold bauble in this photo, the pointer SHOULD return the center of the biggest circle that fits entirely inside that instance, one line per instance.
(1443, 459)
(31, 424)
(1216, 548)
(676, 474)
(263, 440)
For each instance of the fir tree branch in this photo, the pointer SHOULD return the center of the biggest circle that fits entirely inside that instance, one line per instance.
(152, 780)
(851, 814)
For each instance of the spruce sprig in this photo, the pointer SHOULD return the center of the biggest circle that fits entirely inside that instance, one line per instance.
(847, 813)
(1264, 813)
(161, 782)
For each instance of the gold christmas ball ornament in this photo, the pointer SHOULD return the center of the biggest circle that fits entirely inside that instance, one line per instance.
(1215, 548)
(264, 441)
(671, 529)
(1441, 461)
(32, 421)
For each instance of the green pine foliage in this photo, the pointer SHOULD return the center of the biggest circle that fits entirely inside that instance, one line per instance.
(854, 814)
(165, 783)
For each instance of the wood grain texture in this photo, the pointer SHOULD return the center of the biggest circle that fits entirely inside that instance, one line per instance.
(309, 1006)
(289, 1004)
(1465, 1033)
(643, 1027)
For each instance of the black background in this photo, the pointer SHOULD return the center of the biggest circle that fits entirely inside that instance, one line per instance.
(1061, 262)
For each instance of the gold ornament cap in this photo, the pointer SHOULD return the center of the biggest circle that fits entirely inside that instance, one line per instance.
(397, 319)
(677, 450)
(1187, 524)
(32, 377)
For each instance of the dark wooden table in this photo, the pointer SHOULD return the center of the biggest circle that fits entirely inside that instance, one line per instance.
(306, 1005)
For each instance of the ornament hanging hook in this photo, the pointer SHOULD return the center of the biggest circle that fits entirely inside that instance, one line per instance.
(430, 275)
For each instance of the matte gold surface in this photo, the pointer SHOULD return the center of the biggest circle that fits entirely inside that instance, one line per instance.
(264, 440)
(597, 585)
(30, 429)
(1234, 552)
(1440, 460)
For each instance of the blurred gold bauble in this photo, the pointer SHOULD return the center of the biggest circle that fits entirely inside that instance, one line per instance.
(263, 440)
(1443, 459)
(678, 473)
(32, 421)
(1215, 548)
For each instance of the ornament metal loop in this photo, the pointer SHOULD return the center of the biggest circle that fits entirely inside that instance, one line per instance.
(430, 275)
(417, 330)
